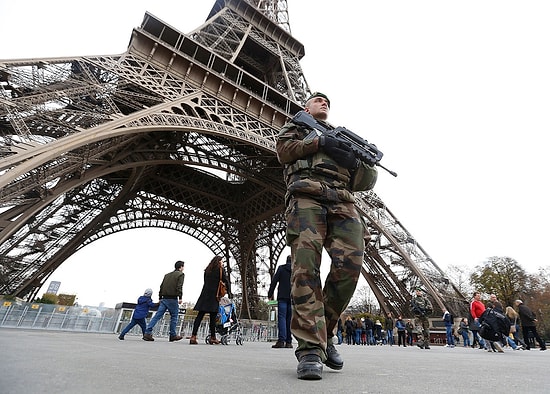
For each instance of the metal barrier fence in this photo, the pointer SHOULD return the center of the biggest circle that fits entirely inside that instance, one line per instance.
(16, 314)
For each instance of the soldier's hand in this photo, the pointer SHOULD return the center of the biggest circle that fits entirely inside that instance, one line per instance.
(340, 151)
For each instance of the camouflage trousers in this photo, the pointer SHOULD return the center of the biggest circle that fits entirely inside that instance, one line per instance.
(312, 226)
(422, 325)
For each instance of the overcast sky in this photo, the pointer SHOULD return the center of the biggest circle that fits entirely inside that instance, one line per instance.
(455, 93)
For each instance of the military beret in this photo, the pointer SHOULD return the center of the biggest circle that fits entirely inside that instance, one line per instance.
(319, 94)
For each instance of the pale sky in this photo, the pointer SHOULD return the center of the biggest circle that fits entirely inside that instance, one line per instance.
(455, 93)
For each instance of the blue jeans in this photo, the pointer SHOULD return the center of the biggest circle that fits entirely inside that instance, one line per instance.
(450, 338)
(370, 337)
(480, 340)
(511, 343)
(466, 338)
(139, 322)
(284, 314)
(390, 337)
(172, 307)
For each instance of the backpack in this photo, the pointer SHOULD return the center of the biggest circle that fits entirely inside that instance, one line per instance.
(493, 325)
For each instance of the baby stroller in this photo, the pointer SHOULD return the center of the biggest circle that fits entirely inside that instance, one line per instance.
(226, 323)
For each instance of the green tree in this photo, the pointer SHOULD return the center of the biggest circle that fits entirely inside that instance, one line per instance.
(48, 298)
(502, 276)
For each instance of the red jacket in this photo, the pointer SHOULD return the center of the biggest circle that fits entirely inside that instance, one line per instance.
(476, 309)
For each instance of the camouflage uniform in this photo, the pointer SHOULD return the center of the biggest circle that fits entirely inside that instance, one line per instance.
(320, 213)
(422, 307)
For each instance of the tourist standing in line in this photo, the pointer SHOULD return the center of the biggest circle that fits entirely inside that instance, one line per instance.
(400, 325)
(389, 328)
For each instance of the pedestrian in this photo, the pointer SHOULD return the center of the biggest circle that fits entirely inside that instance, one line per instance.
(339, 331)
(369, 327)
(363, 331)
(464, 331)
(529, 325)
(321, 174)
(422, 307)
(513, 316)
(409, 326)
(401, 328)
(284, 306)
(504, 327)
(144, 303)
(476, 310)
(378, 333)
(349, 330)
(208, 301)
(169, 300)
(358, 330)
(389, 328)
(448, 320)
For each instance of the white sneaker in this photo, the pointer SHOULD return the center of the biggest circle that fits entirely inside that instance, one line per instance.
(498, 347)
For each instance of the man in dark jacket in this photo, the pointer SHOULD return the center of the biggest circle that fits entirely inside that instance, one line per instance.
(171, 291)
(284, 306)
(528, 324)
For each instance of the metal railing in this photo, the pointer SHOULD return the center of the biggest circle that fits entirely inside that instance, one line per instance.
(17, 314)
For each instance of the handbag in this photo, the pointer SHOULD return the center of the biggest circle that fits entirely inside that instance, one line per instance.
(513, 327)
(222, 289)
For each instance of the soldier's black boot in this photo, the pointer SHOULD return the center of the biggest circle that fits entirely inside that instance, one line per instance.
(310, 367)
(334, 360)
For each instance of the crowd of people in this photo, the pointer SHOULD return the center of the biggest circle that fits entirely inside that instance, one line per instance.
(368, 332)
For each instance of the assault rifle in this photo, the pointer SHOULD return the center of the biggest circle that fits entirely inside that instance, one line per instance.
(367, 153)
(416, 309)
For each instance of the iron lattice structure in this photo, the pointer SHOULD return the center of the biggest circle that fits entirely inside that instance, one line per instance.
(177, 132)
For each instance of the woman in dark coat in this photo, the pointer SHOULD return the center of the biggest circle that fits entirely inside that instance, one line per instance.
(207, 302)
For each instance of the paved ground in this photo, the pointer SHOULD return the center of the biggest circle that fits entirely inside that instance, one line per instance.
(33, 361)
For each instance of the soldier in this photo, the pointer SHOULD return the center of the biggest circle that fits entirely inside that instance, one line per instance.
(422, 308)
(321, 174)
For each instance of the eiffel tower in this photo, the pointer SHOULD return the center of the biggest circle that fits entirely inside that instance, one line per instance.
(177, 132)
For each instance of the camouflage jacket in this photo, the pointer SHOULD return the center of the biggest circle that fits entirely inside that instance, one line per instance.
(309, 171)
(421, 306)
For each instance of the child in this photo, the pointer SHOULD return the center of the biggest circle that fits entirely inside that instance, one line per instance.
(144, 303)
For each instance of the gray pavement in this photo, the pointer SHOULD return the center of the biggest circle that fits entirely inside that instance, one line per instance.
(36, 361)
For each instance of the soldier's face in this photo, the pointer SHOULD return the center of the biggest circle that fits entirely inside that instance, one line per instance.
(318, 108)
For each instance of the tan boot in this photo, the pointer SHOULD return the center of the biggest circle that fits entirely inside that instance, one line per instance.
(214, 341)
(193, 340)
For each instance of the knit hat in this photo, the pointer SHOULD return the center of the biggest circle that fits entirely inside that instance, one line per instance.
(148, 292)
(319, 94)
